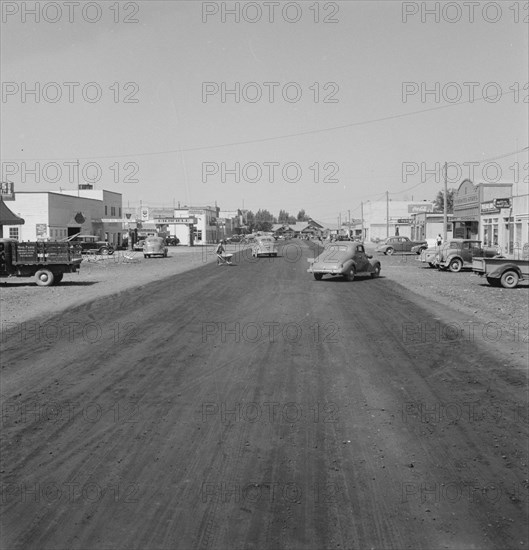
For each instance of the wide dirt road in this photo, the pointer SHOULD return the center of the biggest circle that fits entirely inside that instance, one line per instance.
(253, 407)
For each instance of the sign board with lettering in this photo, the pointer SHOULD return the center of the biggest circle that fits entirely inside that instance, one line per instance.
(488, 207)
(7, 190)
(41, 229)
(189, 220)
(423, 207)
(502, 203)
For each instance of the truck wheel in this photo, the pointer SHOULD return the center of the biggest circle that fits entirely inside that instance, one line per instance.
(456, 265)
(318, 276)
(509, 279)
(376, 272)
(58, 278)
(493, 281)
(431, 264)
(389, 251)
(44, 277)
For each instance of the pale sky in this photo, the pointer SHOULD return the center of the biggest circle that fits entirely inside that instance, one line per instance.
(361, 61)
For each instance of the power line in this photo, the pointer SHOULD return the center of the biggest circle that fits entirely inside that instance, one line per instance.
(272, 138)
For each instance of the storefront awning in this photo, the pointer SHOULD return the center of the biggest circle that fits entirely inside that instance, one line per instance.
(7, 217)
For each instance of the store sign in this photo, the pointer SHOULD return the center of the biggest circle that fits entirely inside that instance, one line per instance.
(502, 203)
(404, 220)
(189, 220)
(465, 199)
(41, 229)
(7, 190)
(144, 214)
(416, 208)
(488, 207)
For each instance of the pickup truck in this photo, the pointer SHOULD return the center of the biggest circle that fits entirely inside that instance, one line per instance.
(46, 261)
(457, 254)
(501, 271)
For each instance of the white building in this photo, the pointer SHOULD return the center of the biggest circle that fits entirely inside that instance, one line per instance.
(58, 215)
(505, 222)
(206, 229)
(377, 223)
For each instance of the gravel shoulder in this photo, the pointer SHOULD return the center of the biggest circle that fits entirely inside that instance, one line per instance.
(22, 300)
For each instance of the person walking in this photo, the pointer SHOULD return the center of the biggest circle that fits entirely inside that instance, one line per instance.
(439, 240)
(219, 251)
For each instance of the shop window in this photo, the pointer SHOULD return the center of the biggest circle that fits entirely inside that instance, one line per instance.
(13, 233)
(198, 235)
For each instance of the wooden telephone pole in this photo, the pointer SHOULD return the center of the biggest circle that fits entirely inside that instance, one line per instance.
(445, 206)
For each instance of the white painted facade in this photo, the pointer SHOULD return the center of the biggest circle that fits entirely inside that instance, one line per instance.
(58, 215)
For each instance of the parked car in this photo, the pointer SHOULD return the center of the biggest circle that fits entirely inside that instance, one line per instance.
(457, 254)
(398, 244)
(502, 271)
(139, 245)
(430, 244)
(92, 244)
(172, 241)
(429, 256)
(347, 259)
(264, 246)
(154, 246)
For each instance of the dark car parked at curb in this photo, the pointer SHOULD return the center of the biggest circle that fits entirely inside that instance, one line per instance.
(347, 259)
(398, 244)
(91, 244)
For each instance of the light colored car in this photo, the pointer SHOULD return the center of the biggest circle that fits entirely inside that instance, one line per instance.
(264, 246)
(348, 259)
(154, 246)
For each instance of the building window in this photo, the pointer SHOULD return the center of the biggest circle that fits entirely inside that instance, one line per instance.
(13, 233)
(198, 235)
(112, 210)
(120, 211)
(106, 210)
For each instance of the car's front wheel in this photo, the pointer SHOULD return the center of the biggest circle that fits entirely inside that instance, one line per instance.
(389, 251)
(456, 265)
(318, 276)
(104, 251)
(376, 272)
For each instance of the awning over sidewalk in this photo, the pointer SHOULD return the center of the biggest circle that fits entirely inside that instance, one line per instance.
(7, 217)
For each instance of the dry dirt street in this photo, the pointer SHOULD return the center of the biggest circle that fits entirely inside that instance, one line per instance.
(254, 407)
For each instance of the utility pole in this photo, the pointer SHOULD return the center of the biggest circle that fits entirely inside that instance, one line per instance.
(445, 206)
(362, 216)
(348, 223)
(387, 214)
